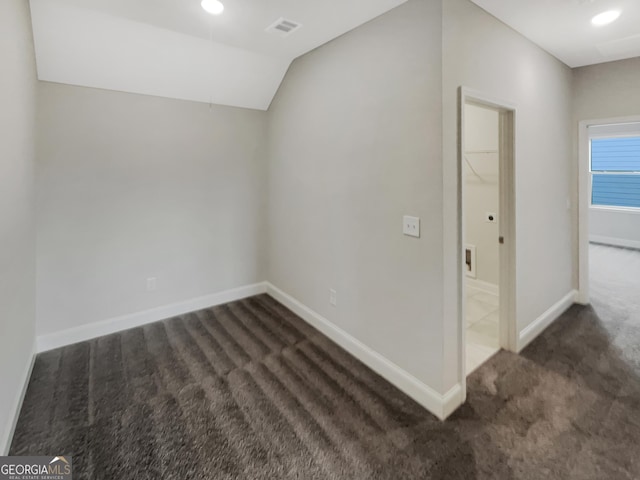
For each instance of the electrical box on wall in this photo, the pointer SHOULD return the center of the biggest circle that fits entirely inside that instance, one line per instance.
(411, 226)
(470, 260)
(333, 297)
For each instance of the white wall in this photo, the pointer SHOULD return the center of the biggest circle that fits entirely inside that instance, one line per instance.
(482, 53)
(482, 194)
(606, 90)
(614, 227)
(131, 187)
(609, 90)
(355, 144)
(17, 234)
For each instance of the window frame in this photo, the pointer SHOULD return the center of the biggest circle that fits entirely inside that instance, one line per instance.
(605, 136)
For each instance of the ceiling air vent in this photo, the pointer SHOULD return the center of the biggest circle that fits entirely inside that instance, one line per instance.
(283, 27)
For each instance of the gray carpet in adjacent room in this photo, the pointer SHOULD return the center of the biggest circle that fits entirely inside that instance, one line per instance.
(249, 391)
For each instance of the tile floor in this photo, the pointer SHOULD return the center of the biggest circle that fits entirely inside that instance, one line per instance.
(482, 314)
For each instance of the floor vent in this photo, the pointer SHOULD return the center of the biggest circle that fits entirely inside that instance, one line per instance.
(283, 27)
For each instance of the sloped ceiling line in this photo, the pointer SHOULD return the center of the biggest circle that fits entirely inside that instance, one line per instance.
(109, 46)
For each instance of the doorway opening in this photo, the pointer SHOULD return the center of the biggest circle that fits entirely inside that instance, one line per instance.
(486, 179)
(609, 203)
(481, 214)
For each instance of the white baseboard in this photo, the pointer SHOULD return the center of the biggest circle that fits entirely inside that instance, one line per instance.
(529, 333)
(451, 401)
(5, 441)
(124, 322)
(616, 242)
(582, 298)
(481, 285)
(440, 405)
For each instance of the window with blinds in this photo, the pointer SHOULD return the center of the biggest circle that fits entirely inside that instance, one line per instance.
(615, 170)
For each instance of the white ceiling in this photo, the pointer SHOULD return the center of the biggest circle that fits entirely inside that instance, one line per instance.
(243, 22)
(172, 48)
(563, 27)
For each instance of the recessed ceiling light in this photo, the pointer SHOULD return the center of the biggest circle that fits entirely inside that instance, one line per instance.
(605, 18)
(214, 7)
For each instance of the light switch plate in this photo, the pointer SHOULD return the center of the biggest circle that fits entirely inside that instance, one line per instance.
(411, 226)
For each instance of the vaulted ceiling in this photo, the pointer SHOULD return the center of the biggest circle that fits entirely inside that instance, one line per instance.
(173, 48)
(564, 29)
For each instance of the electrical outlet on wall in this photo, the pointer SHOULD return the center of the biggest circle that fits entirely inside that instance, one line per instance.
(333, 297)
(152, 284)
(411, 226)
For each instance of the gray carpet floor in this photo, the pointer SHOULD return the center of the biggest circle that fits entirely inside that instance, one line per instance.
(249, 391)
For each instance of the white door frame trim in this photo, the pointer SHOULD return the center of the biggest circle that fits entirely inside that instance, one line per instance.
(584, 192)
(507, 283)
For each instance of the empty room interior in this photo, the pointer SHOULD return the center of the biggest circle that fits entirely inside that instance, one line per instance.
(356, 239)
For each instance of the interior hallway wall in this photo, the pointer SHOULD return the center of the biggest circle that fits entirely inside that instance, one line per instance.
(132, 187)
(355, 144)
(608, 90)
(483, 54)
(17, 229)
